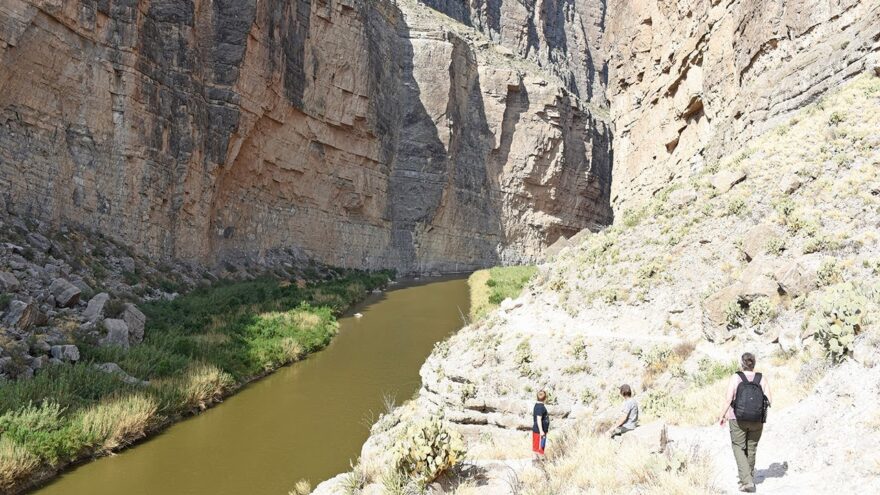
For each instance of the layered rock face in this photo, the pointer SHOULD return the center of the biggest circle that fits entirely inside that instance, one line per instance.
(692, 80)
(359, 133)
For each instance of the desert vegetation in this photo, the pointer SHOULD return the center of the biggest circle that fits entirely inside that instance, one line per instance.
(197, 348)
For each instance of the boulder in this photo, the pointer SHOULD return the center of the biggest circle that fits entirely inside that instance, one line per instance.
(39, 242)
(127, 264)
(115, 369)
(724, 180)
(790, 183)
(580, 237)
(681, 197)
(652, 437)
(117, 333)
(758, 281)
(8, 282)
(65, 353)
(39, 362)
(21, 315)
(754, 242)
(95, 308)
(716, 304)
(66, 294)
(800, 276)
(555, 248)
(135, 319)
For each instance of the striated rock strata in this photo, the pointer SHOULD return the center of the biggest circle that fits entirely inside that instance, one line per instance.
(358, 133)
(691, 81)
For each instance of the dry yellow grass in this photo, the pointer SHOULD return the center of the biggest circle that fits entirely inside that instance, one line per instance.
(16, 462)
(113, 423)
(584, 463)
(203, 384)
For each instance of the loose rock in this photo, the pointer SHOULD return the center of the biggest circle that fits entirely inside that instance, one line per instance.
(66, 294)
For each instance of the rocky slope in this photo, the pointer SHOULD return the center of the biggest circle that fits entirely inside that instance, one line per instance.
(363, 134)
(764, 251)
(691, 81)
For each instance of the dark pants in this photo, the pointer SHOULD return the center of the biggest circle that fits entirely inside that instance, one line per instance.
(744, 437)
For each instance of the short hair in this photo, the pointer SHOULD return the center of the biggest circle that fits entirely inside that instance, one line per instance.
(625, 390)
(542, 396)
(748, 361)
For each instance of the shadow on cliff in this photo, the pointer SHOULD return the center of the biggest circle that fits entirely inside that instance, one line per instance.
(445, 214)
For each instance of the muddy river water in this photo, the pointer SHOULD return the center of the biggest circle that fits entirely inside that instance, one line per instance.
(306, 421)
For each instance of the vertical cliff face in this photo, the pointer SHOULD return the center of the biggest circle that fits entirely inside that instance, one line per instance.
(360, 133)
(690, 81)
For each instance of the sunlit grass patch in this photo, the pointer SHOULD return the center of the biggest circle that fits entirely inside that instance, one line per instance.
(489, 287)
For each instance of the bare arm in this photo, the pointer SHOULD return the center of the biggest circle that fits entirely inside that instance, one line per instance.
(728, 398)
(765, 384)
(540, 425)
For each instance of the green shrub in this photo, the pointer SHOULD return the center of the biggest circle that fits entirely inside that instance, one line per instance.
(710, 371)
(634, 216)
(761, 310)
(650, 271)
(658, 402)
(837, 320)
(736, 206)
(734, 314)
(836, 118)
(427, 449)
(488, 288)
(776, 245)
(829, 272)
(42, 430)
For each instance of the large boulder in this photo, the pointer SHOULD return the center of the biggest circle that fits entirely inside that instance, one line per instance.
(21, 314)
(8, 282)
(790, 183)
(554, 249)
(115, 369)
(652, 437)
(66, 294)
(715, 306)
(135, 319)
(117, 333)
(681, 197)
(724, 180)
(39, 242)
(800, 276)
(757, 279)
(95, 308)
(754, 242)
(67, 353)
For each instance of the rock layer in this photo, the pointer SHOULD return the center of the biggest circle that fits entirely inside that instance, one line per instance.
(691, 81)
(341, 128)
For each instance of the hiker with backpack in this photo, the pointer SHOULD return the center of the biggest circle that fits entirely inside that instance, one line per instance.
(745, 407)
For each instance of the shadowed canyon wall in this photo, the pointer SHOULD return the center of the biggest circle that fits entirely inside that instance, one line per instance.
(358, 133)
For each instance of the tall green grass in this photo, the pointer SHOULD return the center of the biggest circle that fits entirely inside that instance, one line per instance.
(489, 287)
(197, 348)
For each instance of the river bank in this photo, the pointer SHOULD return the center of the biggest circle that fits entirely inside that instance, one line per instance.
(197, 350)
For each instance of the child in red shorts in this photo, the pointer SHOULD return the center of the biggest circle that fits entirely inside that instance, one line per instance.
(540, 426)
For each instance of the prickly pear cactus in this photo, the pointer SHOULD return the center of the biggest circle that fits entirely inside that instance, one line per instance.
(427, 449)
(837, 320)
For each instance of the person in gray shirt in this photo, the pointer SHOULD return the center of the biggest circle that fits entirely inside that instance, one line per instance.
(629, 418)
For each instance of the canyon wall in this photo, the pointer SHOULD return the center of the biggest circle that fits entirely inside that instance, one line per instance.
(692, 80)
(359, 133)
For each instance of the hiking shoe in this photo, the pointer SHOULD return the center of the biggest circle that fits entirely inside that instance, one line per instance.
(750, 488)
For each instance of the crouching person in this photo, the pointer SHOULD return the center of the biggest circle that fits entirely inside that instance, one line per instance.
(629, 418)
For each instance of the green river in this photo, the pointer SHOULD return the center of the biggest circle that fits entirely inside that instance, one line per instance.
(306, 421)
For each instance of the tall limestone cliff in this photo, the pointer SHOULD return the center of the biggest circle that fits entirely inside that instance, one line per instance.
(359, 133)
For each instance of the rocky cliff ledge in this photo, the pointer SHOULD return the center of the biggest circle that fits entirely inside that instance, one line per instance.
(361, 133)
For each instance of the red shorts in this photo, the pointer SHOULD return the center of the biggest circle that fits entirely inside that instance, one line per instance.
(536, 443)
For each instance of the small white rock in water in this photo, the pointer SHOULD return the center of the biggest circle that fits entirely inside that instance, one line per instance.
(358, 315)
